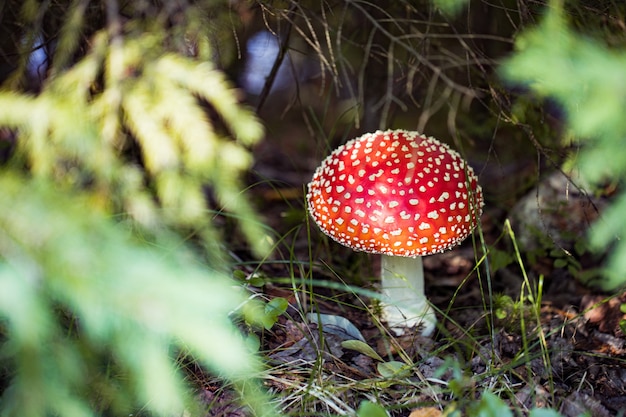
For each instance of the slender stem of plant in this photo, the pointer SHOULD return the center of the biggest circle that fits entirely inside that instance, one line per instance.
(284, 46)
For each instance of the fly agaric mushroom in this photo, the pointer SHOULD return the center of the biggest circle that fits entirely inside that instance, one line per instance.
(403, 195)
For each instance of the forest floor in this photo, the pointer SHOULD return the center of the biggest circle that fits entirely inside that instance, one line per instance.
(528, 331)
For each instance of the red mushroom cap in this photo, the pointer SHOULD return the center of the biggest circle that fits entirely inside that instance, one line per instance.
(395, 193)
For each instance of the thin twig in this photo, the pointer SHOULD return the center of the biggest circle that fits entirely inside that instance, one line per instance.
(269, 81)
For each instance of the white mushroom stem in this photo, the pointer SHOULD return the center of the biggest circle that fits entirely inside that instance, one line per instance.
(404, 302)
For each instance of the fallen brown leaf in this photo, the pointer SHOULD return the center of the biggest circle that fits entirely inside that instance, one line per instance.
(426, 412)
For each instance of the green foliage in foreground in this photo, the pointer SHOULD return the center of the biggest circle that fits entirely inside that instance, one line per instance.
(81, 302)
(100, 296)
(76, 135)
(588, 80)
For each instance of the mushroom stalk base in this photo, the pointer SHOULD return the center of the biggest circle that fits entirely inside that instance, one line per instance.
(404, 304)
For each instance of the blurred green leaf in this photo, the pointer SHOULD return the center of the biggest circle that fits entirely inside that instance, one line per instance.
(265, 314)
(97, 312)
(361, 347)
(132, 302)
(256, 280)
(491, 406)
(588, 80)
(501, 313)
(499, 259)
(543, 412)
(73, 134)
(274, 308)
(370, 409)
(450, 7)
(394, 369)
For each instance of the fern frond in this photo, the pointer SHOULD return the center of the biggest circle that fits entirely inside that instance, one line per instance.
(159, 150)
(211, 85)
(194, 135)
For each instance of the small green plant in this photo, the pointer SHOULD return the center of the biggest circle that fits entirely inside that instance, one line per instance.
(561, 258)
(490, 405)
(370, 409)
(266, 314)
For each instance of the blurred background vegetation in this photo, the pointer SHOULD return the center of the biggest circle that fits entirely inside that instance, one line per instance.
(116, 137)
(127, 151)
